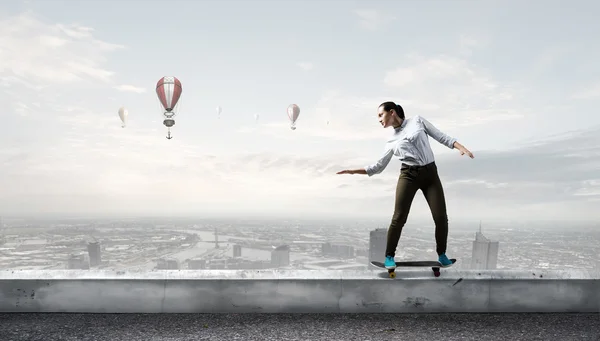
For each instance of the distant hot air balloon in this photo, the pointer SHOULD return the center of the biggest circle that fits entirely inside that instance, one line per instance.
(168, 90)
(293, 112)
(219, 110)
(123, 115)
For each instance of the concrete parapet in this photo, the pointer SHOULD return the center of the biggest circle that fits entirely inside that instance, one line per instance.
(298, 291)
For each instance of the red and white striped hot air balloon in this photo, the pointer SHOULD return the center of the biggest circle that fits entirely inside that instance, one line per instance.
(293, 112)
(168, 90)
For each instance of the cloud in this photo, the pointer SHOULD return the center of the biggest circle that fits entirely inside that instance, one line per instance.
(335, 116)
(67, 152)
(454, 91)
(138, 172)
(373, 20)
(73, 156)
(590, 92)
(33, 51)
(550, 57)
(130, 88)
(590, 189)
(575, 154)
(306, 66)
(560, 172)
(108, 168)
(118, 170)
(554, 171)
(469, 43)
(448, 90)
(46, 70)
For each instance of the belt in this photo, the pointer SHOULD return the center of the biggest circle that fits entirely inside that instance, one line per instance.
(416, 167)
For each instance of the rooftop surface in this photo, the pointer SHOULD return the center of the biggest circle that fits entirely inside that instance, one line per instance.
(331, 327)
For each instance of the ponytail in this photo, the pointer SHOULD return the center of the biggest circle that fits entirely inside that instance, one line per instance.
(400, 111)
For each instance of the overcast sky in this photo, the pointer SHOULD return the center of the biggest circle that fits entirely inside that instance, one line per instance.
(518, 83)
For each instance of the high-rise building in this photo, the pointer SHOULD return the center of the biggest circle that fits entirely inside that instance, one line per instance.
(216, 238)
(485, 252)
(237, 251)
(280, 256)
(94, 253)
(377, 245)
(2, 241)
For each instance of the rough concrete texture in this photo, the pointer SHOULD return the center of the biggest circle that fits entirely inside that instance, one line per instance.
(290, 274)
(330, 327)
(233, 291)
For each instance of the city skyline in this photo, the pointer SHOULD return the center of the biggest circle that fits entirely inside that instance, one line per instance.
(522, 98)
(147, 246)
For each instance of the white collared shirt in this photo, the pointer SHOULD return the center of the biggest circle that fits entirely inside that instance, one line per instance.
(410, 142)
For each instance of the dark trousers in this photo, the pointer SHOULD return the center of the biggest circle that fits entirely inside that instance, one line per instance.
(413, 178)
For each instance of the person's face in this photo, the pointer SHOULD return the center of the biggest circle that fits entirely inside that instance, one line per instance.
(386, 118)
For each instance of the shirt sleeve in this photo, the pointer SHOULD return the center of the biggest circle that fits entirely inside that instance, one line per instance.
(437, 135)
(380, 165)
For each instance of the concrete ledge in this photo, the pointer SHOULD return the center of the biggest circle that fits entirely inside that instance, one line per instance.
(300, 291)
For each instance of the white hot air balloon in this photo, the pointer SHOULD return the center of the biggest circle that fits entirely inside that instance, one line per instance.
(293, 112)
(219, 110)
(123, 115)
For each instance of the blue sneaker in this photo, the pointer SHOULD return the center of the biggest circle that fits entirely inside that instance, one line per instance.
(389, 262)
(444, 261)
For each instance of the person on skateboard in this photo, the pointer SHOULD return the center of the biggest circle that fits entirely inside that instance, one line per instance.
(410, 142)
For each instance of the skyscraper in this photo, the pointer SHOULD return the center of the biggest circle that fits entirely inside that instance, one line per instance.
(377, 245)
(485, 252)
(280, 256)
(237, 251)
(216, 238)
(94, 253)
(1, 231)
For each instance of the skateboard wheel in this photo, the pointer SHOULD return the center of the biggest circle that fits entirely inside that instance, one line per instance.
(392, 275)
(436, 273)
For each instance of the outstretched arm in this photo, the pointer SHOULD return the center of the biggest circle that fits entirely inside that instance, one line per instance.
(444, 139)
(436, 134)
(463, 150)
(375, 168)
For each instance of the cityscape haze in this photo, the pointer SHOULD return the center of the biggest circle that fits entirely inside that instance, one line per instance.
(202, 244)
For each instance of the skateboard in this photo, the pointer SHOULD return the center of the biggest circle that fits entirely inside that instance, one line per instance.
(435, 266)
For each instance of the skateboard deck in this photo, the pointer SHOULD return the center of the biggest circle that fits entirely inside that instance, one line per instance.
(435, 266)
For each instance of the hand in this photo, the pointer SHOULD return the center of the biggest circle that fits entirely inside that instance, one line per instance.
(464, 151)
(347, 171)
